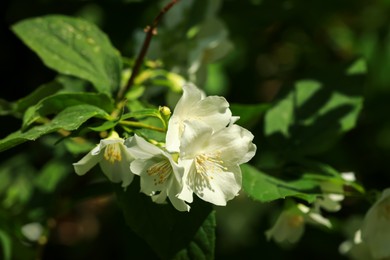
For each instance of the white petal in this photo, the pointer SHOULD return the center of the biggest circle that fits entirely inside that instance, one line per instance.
(148, 183)
(234, 143)
(218, 187)
(86, 163)
(289, 227)
(376, 227)
(119, 171)
(140, 148)
(160, 198)
(186, 191)
(213, 111)
(195, 139)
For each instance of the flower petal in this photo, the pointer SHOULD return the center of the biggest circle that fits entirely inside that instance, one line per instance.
(86, 163)
(119, 171)
(196, 137)
(218, 187)
(140, 148)
(213, 111)
(234, 144)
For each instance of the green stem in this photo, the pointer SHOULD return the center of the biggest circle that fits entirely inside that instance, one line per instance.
(150, 31)
(142, 125)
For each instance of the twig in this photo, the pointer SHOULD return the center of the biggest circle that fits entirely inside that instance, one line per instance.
(150, 31)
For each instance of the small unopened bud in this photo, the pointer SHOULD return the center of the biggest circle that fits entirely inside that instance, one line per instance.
(165, 111)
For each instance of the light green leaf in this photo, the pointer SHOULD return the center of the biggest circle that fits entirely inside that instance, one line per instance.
(264, 188)
(311, 114)
(170, 233)
(58, 102)
(69, 119)
(358, 67)
(74, 47)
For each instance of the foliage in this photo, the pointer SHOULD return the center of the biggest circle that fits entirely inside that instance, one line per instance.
(308, 81)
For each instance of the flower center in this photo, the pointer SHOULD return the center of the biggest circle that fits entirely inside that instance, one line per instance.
(112, 153)
(206, 164)
(161, 171)
(295, 221)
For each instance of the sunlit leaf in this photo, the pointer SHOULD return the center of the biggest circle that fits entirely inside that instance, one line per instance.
(74, 47)
(69, 119)
(311, 117)
(265, 188)
(55, 103)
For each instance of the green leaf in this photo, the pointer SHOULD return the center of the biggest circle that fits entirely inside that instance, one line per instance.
(6, 245)
(148, 112)
(51, 175)
(249, 114)
(69, 119)
(311, 114)
(58, 102)
(33, 98)
(170, 233)
(264, 188)
(74, 47)
(358, 67)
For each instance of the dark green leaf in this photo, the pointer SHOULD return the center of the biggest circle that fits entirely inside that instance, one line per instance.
(264, 188)
(69, 119)
(51, 175)
(6, 245)
(148, 112)
(186, 235)
(74, 47)
(105, 126)
(58, 102)
(249, 114)
(38, 94)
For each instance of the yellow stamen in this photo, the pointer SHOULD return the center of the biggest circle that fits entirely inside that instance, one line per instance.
(295, 221)
(112, 153)
(161, 171)
(207, 164)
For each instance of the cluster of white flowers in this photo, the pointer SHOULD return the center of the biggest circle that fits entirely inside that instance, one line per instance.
(202, 154)
(290, 225)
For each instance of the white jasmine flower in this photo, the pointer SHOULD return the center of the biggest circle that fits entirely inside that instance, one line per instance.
(194, 106)
(333, 195)
(376, 227)
(211, 160)
(289, 226)
(348, 176)
(356, 249)
(32, 231)
(113, 157)
(158, 171)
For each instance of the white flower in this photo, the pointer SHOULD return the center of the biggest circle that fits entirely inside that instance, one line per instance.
(376, 227)
(289, 226)
(333, 195)
(158, 171)
(113, 157)
(212, 160)
(356, 249)
(194, 106)
(291, 223)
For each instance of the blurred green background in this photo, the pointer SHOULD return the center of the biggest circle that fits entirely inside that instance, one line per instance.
(264, 46)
